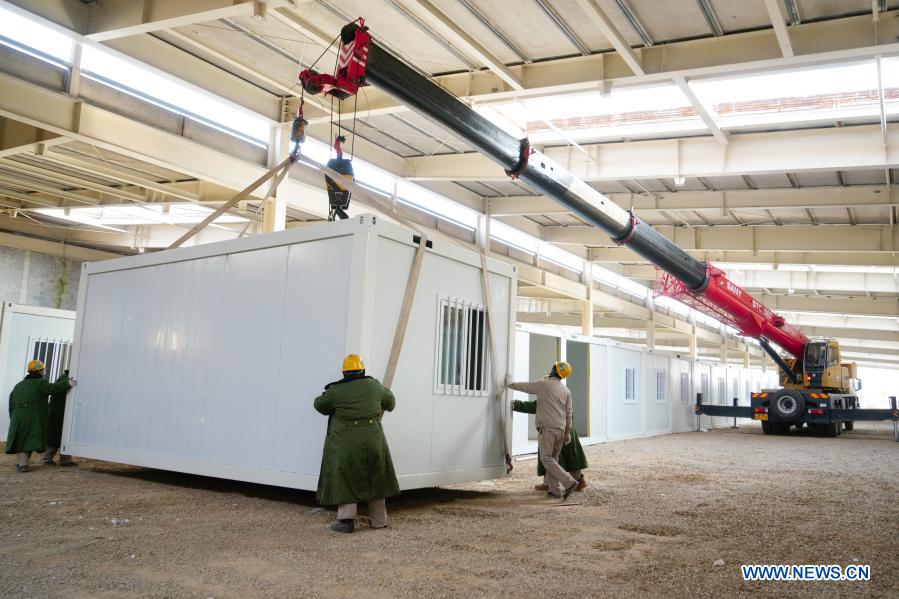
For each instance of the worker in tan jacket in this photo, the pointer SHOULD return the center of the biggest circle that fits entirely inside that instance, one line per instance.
(554, 423)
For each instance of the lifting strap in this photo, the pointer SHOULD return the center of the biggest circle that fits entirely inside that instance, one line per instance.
(390, 209)
(283, 167)
(498, 383)
(400, 333)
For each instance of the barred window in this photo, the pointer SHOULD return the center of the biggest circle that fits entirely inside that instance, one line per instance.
(462, 364)
(54, 353)
(685, 387)
(661, 385)
(630, 384)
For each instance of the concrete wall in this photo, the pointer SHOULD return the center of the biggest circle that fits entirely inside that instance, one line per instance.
(38, 279)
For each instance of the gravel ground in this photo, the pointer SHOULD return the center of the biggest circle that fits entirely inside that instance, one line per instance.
(658, 515)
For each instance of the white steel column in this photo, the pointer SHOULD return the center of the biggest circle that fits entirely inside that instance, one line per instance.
(274, 215)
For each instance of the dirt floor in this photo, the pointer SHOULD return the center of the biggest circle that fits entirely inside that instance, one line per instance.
(659, 514)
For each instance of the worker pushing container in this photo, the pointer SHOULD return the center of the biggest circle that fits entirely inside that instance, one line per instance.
(207, 359)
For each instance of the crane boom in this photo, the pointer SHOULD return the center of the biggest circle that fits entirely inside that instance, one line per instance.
(699, 279)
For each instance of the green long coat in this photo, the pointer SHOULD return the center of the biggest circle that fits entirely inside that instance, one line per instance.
(572, 457)
(28, 412)
(56, 411)
(356, 463)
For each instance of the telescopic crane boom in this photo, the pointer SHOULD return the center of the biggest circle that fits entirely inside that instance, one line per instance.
(363, 61)
(818, 388)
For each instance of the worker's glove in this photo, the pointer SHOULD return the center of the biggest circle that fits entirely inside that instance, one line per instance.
(72, 382)
(508, 380)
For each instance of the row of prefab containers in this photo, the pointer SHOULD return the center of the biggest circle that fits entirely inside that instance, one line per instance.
(623, 391)
(206, 359)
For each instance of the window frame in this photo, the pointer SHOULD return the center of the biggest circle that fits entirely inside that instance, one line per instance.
(631, 370)
(685, 390)
(461, 315)
(661, 376)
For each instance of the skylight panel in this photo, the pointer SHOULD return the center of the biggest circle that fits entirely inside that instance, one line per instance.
(30, 34)
(145, 83)
(820, 93)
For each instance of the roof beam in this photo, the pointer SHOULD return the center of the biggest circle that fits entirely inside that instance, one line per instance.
(755, 200)
(821, 238)
(113, 19)
(704, 112)
(822, 42)
(19, 138)
(436, 19)
(833, 257)
(780, 28)
(599, 18)
(834, 148)
(80, 121)
(846, 306)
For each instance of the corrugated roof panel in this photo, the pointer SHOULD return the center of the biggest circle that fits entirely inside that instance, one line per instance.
(770, 180)
(830, 9)
(609, 187)
(408, 135)
(728, 183)
(242, 48)
(478, 188)
(871, 215)
(872, 177)
(678, 19)
(484, 34)
(526, 24)
(739, 15)
(831, 216)
(817, 179)
(395, 30)
(434, 130)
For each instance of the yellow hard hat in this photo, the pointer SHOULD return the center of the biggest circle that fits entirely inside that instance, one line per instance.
(352, 362)
(35, 366)
(563, 368)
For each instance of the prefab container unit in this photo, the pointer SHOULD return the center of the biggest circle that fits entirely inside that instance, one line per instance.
(207, 359)
(31, 333)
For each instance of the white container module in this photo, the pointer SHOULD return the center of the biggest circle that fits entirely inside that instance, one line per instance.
(31, 333)
(207, 359)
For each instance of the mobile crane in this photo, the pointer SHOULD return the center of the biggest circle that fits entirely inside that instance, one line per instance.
(818, 388)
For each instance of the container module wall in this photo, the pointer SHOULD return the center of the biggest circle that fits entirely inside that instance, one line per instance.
(207, 359)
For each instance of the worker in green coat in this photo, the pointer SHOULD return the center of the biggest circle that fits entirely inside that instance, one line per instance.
(356, 463)
(572, 457)
(28, 413)
(56, 411)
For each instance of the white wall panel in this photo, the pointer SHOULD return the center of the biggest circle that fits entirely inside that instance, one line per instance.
(626, 416)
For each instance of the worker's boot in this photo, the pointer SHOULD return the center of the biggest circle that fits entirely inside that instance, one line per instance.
(21, 468)
(345, 526)
(581, 483)
(568, 490)
(541, 488)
